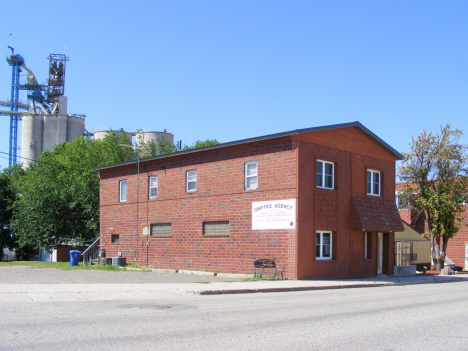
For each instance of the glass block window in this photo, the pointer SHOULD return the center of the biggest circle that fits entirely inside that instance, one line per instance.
(323, 246)
(216, 228)
(325, 174)
(123, 191)
(191, 180)
(373, 183)
(251, 176)
(153, 187)
(161, 229)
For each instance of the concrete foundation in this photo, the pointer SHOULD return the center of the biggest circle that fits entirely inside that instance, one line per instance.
(405, 271)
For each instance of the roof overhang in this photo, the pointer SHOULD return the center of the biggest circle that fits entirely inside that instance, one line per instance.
(369, 214)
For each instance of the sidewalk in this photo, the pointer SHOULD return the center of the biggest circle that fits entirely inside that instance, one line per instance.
(102, 292)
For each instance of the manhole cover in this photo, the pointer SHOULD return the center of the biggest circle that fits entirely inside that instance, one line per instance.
(148, 306)
(155, 307)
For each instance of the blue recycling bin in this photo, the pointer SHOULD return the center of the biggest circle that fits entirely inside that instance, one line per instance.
(74, 257)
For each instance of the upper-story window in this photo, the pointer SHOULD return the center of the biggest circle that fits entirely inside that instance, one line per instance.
(400, 204)
(123, 191)
(373, 183)
(153, 187)
(251, 176)
(325, 174)
(191, 181)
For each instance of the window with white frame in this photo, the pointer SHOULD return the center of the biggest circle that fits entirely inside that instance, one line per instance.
(400, 204)
(251, 176)
(153, 187)
(123, 191)
(373, 183)
(325, 174)
(323, 246)
(191, 181)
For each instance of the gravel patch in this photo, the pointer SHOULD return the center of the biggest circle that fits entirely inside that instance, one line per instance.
(31, 275)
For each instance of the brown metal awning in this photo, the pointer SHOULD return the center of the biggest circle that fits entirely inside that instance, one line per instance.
(375, 215)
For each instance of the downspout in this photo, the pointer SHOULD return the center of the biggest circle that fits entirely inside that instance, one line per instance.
(138, 194)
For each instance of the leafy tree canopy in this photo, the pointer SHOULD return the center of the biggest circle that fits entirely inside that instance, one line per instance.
(58, 199)
(435, 172)
(9, 180)
(59, 196)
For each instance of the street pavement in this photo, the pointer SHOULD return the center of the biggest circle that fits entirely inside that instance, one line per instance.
(24, 284)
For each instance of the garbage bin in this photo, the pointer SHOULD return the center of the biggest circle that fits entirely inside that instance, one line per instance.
(74, 257)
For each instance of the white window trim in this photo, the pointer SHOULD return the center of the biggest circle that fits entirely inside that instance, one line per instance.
(372, 182)
(323, 175)
(187, 181)
(149, 187)
(321, 246)
(120, 190)
(251, 176)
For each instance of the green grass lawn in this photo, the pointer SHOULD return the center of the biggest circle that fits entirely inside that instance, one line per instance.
(66, 266)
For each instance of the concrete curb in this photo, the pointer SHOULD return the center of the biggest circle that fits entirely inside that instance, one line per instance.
(203, 273)
(326, 287)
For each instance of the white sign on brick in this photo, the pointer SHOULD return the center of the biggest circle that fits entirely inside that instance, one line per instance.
(276, 214)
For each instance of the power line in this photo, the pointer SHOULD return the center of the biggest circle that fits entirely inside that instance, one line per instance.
(6, 153)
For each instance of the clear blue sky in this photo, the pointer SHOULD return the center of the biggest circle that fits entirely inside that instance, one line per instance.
(237, 69)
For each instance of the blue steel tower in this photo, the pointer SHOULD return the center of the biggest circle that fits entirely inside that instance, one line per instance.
(15, 61)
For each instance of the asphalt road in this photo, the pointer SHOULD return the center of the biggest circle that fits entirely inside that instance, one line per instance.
(413, 317)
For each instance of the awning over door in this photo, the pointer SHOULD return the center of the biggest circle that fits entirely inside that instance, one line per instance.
(375, 215)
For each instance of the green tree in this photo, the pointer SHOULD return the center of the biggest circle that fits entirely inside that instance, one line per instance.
(435, 172)
(201, 143)
(164, 147)
(10, 179)
(59, 199)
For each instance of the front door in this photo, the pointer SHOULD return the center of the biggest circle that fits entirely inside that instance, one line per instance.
(379, 252)
(466, 256)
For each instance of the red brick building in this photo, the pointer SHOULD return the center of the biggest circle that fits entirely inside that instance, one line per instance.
(326, 194)
(456, 247)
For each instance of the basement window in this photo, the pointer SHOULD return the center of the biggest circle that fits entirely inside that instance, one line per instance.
(161, 229)
(216, 228)
(115, 238)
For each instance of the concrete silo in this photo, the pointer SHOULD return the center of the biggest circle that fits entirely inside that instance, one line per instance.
(41, 132)
(144, 137)
(101, 134)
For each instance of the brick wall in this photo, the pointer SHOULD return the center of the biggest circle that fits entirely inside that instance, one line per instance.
(286, 170)
(325, 209)
(220, 196)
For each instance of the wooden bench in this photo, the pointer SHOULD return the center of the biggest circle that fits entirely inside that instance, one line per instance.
(266, 266)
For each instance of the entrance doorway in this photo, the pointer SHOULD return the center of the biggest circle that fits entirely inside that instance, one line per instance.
(379, 252)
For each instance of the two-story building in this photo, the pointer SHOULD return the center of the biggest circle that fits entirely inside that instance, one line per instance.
(318, 201)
